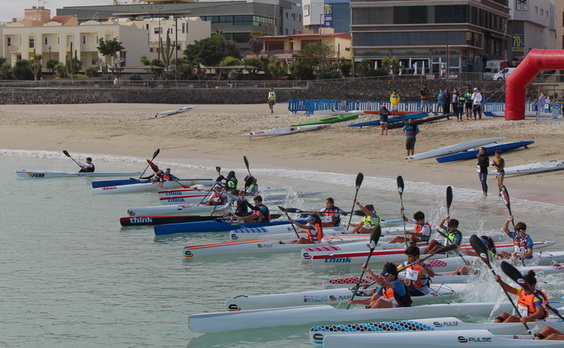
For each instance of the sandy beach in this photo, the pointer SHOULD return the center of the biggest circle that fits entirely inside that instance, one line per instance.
(213, 132)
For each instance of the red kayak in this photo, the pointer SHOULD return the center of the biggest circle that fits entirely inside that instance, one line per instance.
(377, 112)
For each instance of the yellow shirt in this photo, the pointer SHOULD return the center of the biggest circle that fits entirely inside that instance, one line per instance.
(394, 99)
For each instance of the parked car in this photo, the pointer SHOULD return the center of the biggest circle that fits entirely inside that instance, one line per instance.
(503, 74)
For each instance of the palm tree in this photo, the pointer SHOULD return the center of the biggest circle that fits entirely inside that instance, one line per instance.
(255, 43)
(110, 48)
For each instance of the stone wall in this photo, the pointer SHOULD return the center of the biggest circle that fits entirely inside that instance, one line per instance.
(357, 89)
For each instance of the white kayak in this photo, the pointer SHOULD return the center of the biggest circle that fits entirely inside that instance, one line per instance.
(201, 196)
(466, 339)
(330, 296)
(55, 174)
(327, 314)
(445, 265)
(317, 334)
(285, 130)
(187, 192)
(532, 168)
(350, 247)
(455, 148)
(284, 232)
(188, 209)
(258, 246)
(151, 187)
(174, 112)
(390, 255)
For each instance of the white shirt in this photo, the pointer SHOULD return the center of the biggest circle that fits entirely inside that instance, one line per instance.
(477, 98)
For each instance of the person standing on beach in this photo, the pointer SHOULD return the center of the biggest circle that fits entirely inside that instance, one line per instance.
(384, 113)
(424, 99)
(87, 167)
(410, 130)
(461, 103)
(483, 163)
(394, 102)
(441, 101)
(477, 100)
(468, 103)
(271, 100)
(499, 164)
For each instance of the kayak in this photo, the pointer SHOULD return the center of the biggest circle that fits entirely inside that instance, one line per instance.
(331, 297)
(400, 124)
(282, 232)
(257, 246)
(455, 338)
(314, 250)
(170, 219)
(285, 130)
(55, 174)
(317, 334)
(455, 148)
(490, 150)
(377, 112)
(327, 314)
(406, 117)
(187, 192)
(336, 119)
(178, 209)
(149, 186)
(527, 114)
(174, 112)
(200, 196)
(447, 265)
(390, 255)
(213, 226)
(532, 168)
(117, 182)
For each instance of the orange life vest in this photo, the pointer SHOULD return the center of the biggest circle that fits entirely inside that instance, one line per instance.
(526, 303)
(315, 237)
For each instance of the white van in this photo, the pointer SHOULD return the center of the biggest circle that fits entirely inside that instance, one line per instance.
(503, 74)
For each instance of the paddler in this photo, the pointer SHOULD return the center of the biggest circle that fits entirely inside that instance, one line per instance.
(313, 229)
(331, 215)
(168, 176)
(87, 167)
(452, 232)
(417, 272)
(369, 220)
(392, 292)
(231, 184)
(251, 186)
(157, 176)
(260, 212)
(218, 196)
(421, 231)
(522, 242)
(530, 305)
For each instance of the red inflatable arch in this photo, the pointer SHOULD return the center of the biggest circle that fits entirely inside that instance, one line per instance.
(516, 84)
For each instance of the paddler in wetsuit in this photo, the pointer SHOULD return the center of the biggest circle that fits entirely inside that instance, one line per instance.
(417, 272)
(369, 220)
(392, 292)
(313, 229)
(453, 234)
(331, 215)
(87, 167)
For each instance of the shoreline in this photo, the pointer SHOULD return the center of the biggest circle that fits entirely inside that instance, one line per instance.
(212, 132)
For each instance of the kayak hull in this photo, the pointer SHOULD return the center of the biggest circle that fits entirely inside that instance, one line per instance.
(336, 119)
(45, 174)
(285, 130)
(150, 187)
(185, 209)
(490, 150)
(455, 148)
(213, 226)
(413, 116)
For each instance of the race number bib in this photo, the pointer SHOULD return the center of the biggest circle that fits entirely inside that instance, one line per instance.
(519, 250)
(411, 274)
(327, 218)
(524, 311)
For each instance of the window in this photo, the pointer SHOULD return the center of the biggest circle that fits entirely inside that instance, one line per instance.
(84, 40)
(31, 42)
(542, 12)
(9, 41)
(536, 9)
(46, 41)
(183, 28)
(158, 30)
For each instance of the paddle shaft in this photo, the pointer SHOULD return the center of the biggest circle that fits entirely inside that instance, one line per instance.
(155, 154)
(288, 217)
(401, 187)
(69, 156)
(451, 243)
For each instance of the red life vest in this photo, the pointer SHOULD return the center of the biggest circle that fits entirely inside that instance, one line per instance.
(520, 244)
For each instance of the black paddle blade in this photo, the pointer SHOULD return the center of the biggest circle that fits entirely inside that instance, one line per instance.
(375, 236)
(282, 209)
(220, 178)
(480, 249)
(66, 153)
(218, 169)
(505, 195)
(156, 153)
(400, 185)
(246, 162)
(359, 179)
(230, 176)
(449, 196)
(514, 274)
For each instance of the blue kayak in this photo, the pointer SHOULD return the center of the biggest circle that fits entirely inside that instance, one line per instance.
(121, 182)
(213, 226)
(406, 117)
(490, 149)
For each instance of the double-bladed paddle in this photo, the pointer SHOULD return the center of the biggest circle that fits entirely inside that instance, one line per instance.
(291, 210)
(374, 237)
(155, 154)
(358, 182)
(247, 164)
(69, 156)
(401, 187)
(482, 252)
(505, 198)
(449, 197)
(517, 277)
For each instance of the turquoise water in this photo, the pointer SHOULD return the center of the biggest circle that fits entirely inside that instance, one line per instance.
(71, 276)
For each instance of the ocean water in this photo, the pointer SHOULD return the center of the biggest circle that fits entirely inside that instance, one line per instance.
(72, 276)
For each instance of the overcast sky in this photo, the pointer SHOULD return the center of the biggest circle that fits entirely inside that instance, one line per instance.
(15, 8)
